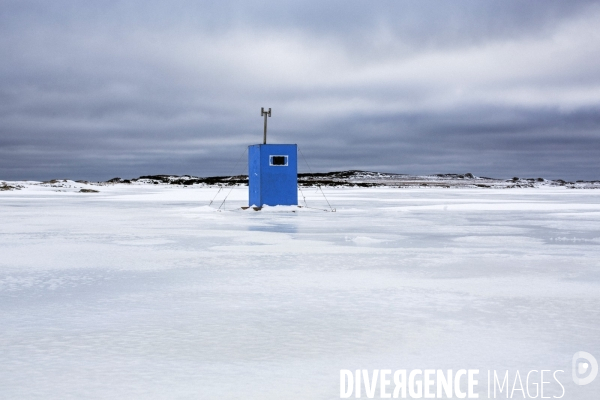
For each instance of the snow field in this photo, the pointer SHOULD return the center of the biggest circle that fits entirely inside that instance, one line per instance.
(143, 291)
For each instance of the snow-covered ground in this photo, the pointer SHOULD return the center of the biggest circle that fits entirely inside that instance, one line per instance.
(145, 292)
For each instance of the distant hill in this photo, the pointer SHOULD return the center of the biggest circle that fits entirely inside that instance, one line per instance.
(355, 178)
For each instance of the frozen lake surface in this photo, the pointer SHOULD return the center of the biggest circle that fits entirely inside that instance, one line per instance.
(144, 292)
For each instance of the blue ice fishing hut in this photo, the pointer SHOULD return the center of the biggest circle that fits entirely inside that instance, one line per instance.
(272, 172)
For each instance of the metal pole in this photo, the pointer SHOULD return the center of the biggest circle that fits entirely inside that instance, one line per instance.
(265, 130)
(265, 114)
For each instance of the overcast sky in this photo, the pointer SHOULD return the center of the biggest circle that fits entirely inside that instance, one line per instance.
(94, 90)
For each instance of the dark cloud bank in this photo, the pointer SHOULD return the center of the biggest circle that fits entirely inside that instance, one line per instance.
(498, 88)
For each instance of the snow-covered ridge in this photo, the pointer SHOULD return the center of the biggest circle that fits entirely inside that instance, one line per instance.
(467, 180)
(58, 185)
(356, 178)
(353, 178)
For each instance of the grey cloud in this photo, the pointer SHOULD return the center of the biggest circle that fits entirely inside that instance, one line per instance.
(95, 90)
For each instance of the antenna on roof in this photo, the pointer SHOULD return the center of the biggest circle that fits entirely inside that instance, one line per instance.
(265, 114)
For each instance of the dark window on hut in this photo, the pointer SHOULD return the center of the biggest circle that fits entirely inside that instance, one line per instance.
(280, 161)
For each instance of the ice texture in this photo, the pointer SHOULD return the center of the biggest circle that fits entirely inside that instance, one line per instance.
(146, 292)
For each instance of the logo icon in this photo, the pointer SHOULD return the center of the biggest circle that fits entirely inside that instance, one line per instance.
(585, 368)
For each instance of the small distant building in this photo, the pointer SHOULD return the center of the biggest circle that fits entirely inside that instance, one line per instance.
(273, 174)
